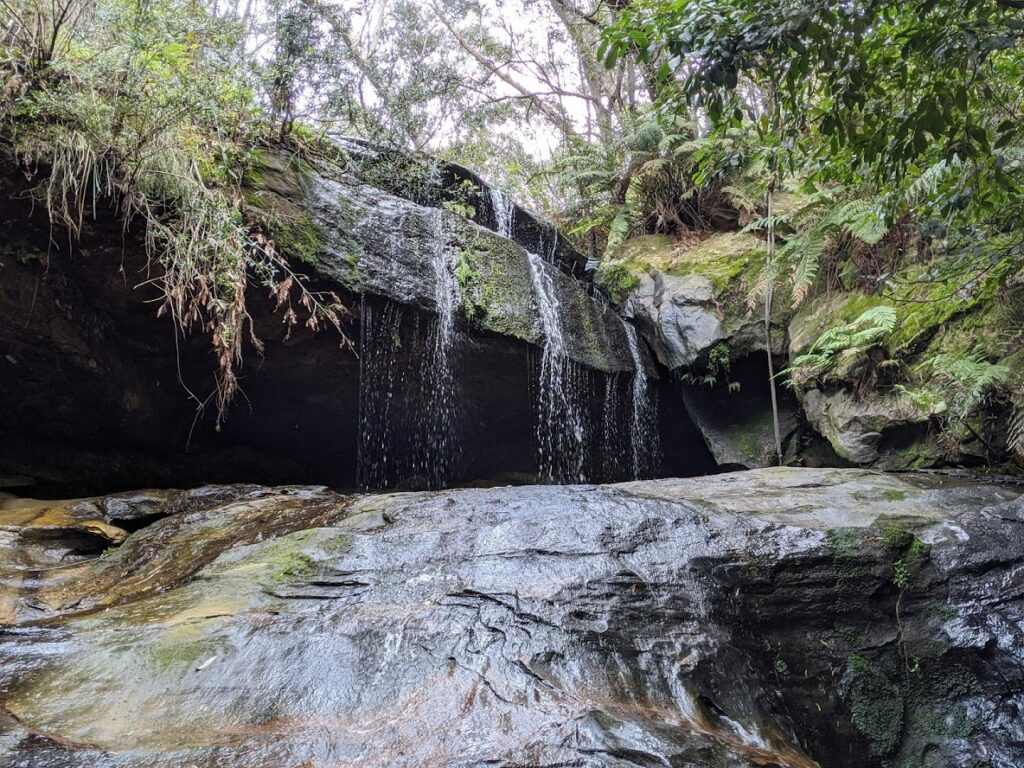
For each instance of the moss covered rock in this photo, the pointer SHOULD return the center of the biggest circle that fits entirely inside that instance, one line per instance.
(363, 239)
(884, 430)
(688, 296)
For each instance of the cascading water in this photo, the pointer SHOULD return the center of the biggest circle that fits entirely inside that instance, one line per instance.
(380, 377)
(407, 413)
(646, 453)
(504, 212)
(614, 443)
(561, 414)
(438, 417)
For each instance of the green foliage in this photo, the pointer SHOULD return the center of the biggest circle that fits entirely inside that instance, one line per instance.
(461, 197)
(659, 177)
(868, 330)
(617, 279)
(1015, 434)
(899, 126)
(971, 381)
(825, 224)
(715, 369)
(145, 108)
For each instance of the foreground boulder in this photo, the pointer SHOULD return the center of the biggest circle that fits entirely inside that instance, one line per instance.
(777, 617)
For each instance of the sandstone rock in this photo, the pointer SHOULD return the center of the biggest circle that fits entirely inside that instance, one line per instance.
(677, 316)
(871, 431)
(797, 618)
(687, 299)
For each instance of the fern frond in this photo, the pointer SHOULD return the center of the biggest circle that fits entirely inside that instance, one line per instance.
(859, 218)
(619, 228)
(971, 379)
(1015, 432)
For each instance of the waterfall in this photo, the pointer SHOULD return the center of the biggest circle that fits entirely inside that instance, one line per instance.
(646, 443)
(504, 212)
(438, 454)
(407, 410)
(379, 372)
(562, 384)
(614, 446)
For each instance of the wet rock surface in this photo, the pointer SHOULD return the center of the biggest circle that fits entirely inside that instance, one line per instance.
(774, 617)
(365, 239)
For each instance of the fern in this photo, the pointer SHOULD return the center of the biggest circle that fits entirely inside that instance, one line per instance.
(815, 228)
(866, 331)
(620, 226)
(764, 223)
(1015, 433)
(927, 184)
(859, 218)
(970, 380)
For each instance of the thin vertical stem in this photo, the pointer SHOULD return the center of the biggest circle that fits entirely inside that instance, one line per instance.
(769, 290)
(770, 266)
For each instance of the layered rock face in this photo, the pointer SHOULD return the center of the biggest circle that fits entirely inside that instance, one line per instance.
(689, 299)
(778, 617)
(461, 325)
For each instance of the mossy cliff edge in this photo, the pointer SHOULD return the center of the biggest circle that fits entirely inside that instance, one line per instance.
(904, 400)
(368, 240)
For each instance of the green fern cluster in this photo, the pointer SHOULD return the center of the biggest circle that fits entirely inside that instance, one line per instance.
(813, 230)
(661, 177)
(869, 329)
(971, 379)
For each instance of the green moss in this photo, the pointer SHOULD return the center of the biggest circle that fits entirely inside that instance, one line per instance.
(275, 195)
(286, 559)
(618, 279)
(299, 237)
(896, 538)
(895, 495)
(876, 705)
(730, 260)
(293, 567)
(754, 437)
(858, 662)
(583, 308)
(852, 637)
(846, 542)
(170, 652)
(495, 285)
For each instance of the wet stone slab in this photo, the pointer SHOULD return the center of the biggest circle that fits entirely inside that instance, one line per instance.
(737, 620)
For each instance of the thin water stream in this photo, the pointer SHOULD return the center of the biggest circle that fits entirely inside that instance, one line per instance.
(646, 442)
(504, 212)
(561, 417)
